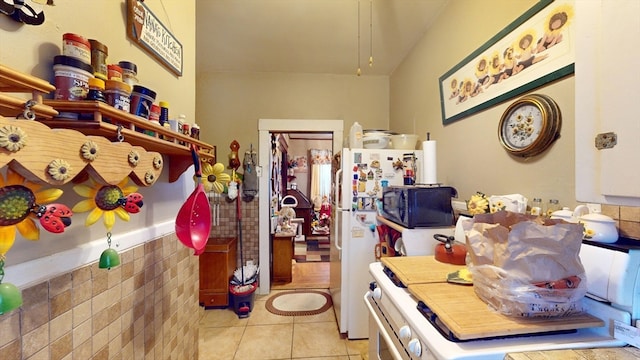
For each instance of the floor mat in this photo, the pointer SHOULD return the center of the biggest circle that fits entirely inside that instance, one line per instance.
(299, 303)
(314, 248)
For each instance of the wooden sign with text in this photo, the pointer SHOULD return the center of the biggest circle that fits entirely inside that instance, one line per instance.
(144, 28)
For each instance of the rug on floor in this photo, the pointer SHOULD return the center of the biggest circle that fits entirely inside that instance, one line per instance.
(314, 248)
(299, 303)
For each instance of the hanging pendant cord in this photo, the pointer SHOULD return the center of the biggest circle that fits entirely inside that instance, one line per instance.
(359, 71)
(370, 33)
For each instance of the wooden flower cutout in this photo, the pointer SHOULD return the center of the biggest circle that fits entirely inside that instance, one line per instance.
(59, 169)
(157, 162)
(89, 150)
(149, 177)
(134, 158)
(12, 138)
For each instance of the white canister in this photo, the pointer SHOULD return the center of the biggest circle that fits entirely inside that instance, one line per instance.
(71, 78)
(355, 136)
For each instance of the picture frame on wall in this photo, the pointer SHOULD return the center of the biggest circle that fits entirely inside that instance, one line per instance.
(535, 49)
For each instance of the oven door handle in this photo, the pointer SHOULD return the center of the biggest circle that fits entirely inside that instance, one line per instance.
(381, 330)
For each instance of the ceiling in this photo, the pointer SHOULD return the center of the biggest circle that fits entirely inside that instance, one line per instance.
(309, 36)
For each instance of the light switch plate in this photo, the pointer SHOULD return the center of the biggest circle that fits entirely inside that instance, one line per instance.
(458, 205)
(593, 208)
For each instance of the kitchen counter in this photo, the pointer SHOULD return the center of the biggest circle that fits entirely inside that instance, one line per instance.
(623, 353)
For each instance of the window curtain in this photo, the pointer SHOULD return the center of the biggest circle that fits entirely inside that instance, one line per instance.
(320, 160)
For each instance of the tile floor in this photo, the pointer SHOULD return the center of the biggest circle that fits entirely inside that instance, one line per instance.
(263, 336)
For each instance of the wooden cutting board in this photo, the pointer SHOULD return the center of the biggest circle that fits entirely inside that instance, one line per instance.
(468, 317)
(419, 269)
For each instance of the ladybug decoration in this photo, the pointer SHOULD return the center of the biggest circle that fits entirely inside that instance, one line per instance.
(132, 203)
(18, 202)
(53, 217)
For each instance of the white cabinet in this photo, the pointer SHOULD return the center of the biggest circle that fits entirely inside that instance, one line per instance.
(607, 101)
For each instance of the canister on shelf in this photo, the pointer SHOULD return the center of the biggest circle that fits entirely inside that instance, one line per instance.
(76, 46)
(195, 131)
(114, 72)
(96, 90)
(164, 112)
(71, 78)
(141, 101)
(99, 53)
(129, 72)
(117, 94)
(154, 117)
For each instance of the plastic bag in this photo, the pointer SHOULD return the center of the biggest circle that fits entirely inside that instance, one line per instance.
(526, 266)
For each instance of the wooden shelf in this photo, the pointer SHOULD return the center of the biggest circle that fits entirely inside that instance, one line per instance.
(76, 132)
(12, 81)
(179, 155)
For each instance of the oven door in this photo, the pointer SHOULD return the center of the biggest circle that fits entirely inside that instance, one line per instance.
(383, 342)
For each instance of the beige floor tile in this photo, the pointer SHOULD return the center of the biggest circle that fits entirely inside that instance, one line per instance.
(328, 315)
(317, 339)
(327, 358)
(222, 318)
(261, 316)
(357, 347)
(262, 342)
(219, 343)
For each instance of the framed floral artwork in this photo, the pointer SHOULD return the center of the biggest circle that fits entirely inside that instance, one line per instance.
(535, 49)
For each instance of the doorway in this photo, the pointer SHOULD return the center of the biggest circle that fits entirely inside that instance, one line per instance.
(266, 127)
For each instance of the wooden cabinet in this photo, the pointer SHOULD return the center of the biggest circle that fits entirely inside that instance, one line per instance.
(282, 255)
(606, 97)
(217, 264)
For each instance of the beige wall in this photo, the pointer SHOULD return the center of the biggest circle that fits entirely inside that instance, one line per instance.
(230, 104)
(470, 156)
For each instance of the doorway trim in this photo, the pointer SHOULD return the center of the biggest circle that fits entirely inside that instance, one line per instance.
(265, 128)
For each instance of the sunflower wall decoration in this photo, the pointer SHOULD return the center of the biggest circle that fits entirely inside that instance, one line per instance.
(21, 202)
(107, 201)
(214, 178)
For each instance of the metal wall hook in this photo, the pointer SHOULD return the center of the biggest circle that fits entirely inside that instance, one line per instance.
(28, 112)
(119, 135)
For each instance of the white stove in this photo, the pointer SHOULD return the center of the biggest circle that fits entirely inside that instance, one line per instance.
(398, 330)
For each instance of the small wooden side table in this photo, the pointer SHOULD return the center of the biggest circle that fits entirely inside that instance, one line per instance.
(282, 255)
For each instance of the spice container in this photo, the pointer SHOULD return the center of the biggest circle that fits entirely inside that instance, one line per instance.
(114, 72)
(96, 90)
(141, 101)
(99, 53)
(154, 117)
(71, 78)
(129, 72)
(195, 131)
(164, 112)
(117, 94)
(76, 46)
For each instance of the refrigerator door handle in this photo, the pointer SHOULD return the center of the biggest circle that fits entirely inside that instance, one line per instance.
(338, 213)
(336, 189)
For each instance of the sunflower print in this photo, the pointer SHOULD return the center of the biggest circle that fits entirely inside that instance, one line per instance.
(107, 201)
(17, 199)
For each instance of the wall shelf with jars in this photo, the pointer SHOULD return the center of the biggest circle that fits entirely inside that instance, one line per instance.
(129, 144)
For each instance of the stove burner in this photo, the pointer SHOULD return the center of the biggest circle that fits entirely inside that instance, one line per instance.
(392, 276)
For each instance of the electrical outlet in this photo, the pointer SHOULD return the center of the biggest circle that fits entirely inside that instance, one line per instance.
(458, 205)
(593, 208)
(249, 262)
(259, 171)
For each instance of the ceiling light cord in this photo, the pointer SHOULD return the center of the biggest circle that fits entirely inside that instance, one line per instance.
(359, 71)
(370, 33)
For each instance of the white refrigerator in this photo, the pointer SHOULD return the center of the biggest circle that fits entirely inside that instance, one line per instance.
(357, 187)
